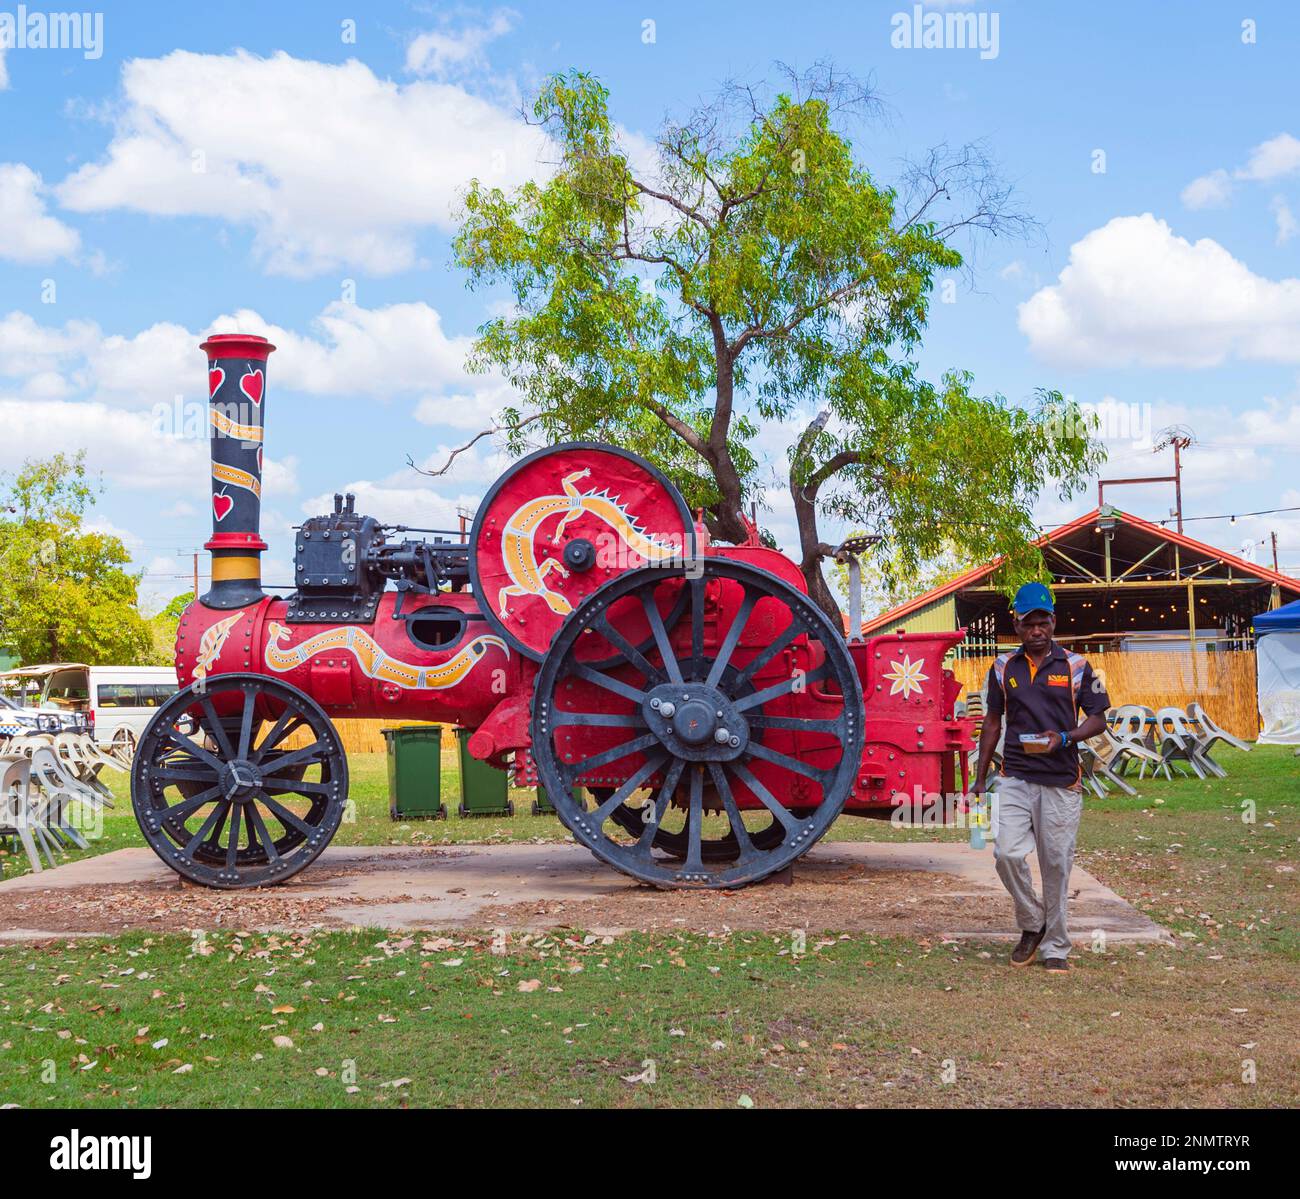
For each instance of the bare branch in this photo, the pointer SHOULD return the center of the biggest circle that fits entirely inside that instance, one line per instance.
(446, 466)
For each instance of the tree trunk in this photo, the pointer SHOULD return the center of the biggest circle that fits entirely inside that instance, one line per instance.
(728, 519)
(813, 551)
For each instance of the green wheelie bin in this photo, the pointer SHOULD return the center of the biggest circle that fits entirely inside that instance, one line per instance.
(415, 772)
(484, 790)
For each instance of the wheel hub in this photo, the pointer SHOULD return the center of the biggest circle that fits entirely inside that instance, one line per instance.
(239, 780)
(697, 723)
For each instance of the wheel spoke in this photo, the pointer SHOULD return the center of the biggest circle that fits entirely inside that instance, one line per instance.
(215, 728)
(596, 761)
(751, 668)
(695, 821)
(232, 846)
(659, 805)
(697, 618)
(628, 650)
(652, 764)
(286, 817)
(246, 724)
(316, 751)
(765, 797)
(175, 774)
(178, 813)
(217, 813)
(738, 829)
(194, 748)
(784, 687)
(636, 695)
(257, 830)
(611, 720)
(296, 786)
(758, 750)
(656, 623)
(288, 722)
(795, 724)
(732, 637)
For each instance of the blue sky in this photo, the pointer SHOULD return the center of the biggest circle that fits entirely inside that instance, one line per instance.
(265, 170)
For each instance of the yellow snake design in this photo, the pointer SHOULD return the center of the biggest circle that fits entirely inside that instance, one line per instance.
(230, 428)
(519, 552)
(211, 643)
(236, 477)
(375, 663)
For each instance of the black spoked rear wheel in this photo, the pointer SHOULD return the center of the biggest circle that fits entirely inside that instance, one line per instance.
(763, 709)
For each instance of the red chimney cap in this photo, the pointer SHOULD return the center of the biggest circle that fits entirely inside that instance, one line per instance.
(237, 345)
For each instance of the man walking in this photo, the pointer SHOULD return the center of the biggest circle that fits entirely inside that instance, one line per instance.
(1037, 692)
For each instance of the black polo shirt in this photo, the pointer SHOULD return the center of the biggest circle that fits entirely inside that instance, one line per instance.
(1046, 700)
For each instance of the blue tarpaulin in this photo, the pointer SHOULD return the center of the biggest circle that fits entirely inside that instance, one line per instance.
(1283, 619)
(1277, 663)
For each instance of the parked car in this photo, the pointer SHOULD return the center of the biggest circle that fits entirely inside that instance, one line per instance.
(16, 720)
(114, 702)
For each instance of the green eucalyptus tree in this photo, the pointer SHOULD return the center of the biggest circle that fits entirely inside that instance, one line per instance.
(751, 272)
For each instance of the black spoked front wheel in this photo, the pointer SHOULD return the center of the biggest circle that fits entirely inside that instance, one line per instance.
(748, 705)
(239, 785)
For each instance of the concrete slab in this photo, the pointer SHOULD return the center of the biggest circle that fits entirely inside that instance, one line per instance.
(926, 890)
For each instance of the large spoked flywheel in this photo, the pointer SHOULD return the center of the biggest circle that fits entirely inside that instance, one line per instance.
(735, 727)
(240, 784)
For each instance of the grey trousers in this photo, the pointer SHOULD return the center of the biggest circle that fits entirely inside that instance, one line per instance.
(1029, 815)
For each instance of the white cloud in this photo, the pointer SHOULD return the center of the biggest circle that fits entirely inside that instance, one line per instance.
(1285, 218)
(1273, 159)
(123, 445)
(330, 165)
(28, 234)
(445, 52)
(406, 505)
(1135, 293)
(351, 350)
(1209, 191)
(27, 347)
(370, 353)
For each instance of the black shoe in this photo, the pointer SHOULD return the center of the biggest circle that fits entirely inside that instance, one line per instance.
(1023, 953)
(1056, 966)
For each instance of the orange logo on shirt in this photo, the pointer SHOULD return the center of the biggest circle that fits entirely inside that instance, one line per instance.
(1058, 680)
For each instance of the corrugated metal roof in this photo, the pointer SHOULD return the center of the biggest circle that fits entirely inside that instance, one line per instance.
(970, 577)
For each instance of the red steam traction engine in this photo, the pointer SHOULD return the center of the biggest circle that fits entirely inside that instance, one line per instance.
(588, 634)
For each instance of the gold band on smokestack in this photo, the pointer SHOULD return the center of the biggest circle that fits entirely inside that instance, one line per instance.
(237, 400)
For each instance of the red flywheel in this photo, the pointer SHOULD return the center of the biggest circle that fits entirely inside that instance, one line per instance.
(560, 523)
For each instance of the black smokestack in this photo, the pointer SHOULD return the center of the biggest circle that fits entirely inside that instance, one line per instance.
(237, 400)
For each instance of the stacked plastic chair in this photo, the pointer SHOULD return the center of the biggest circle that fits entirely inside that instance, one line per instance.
(41, 778)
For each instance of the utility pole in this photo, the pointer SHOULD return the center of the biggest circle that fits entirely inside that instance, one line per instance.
(195, 555)
(1273, 535)
(1180, 438)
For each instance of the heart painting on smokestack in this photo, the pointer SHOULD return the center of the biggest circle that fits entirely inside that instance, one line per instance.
(236, 400)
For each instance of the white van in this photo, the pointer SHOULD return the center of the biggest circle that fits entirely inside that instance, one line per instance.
(118, 700)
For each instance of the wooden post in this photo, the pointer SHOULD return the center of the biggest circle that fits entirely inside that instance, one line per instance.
(1191, 627)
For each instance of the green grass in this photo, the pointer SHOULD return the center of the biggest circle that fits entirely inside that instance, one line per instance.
(853, 1020)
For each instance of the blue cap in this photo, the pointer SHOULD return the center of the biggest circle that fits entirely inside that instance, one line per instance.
(1033, 597)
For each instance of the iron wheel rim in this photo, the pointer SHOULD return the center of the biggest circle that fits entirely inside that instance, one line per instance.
(231, 778)
(802, 823)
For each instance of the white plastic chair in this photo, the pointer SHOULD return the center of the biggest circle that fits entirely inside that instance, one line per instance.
(60, 788)
(1178, 743)
(17, 815)
(1095, 768)
(1211, 734)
